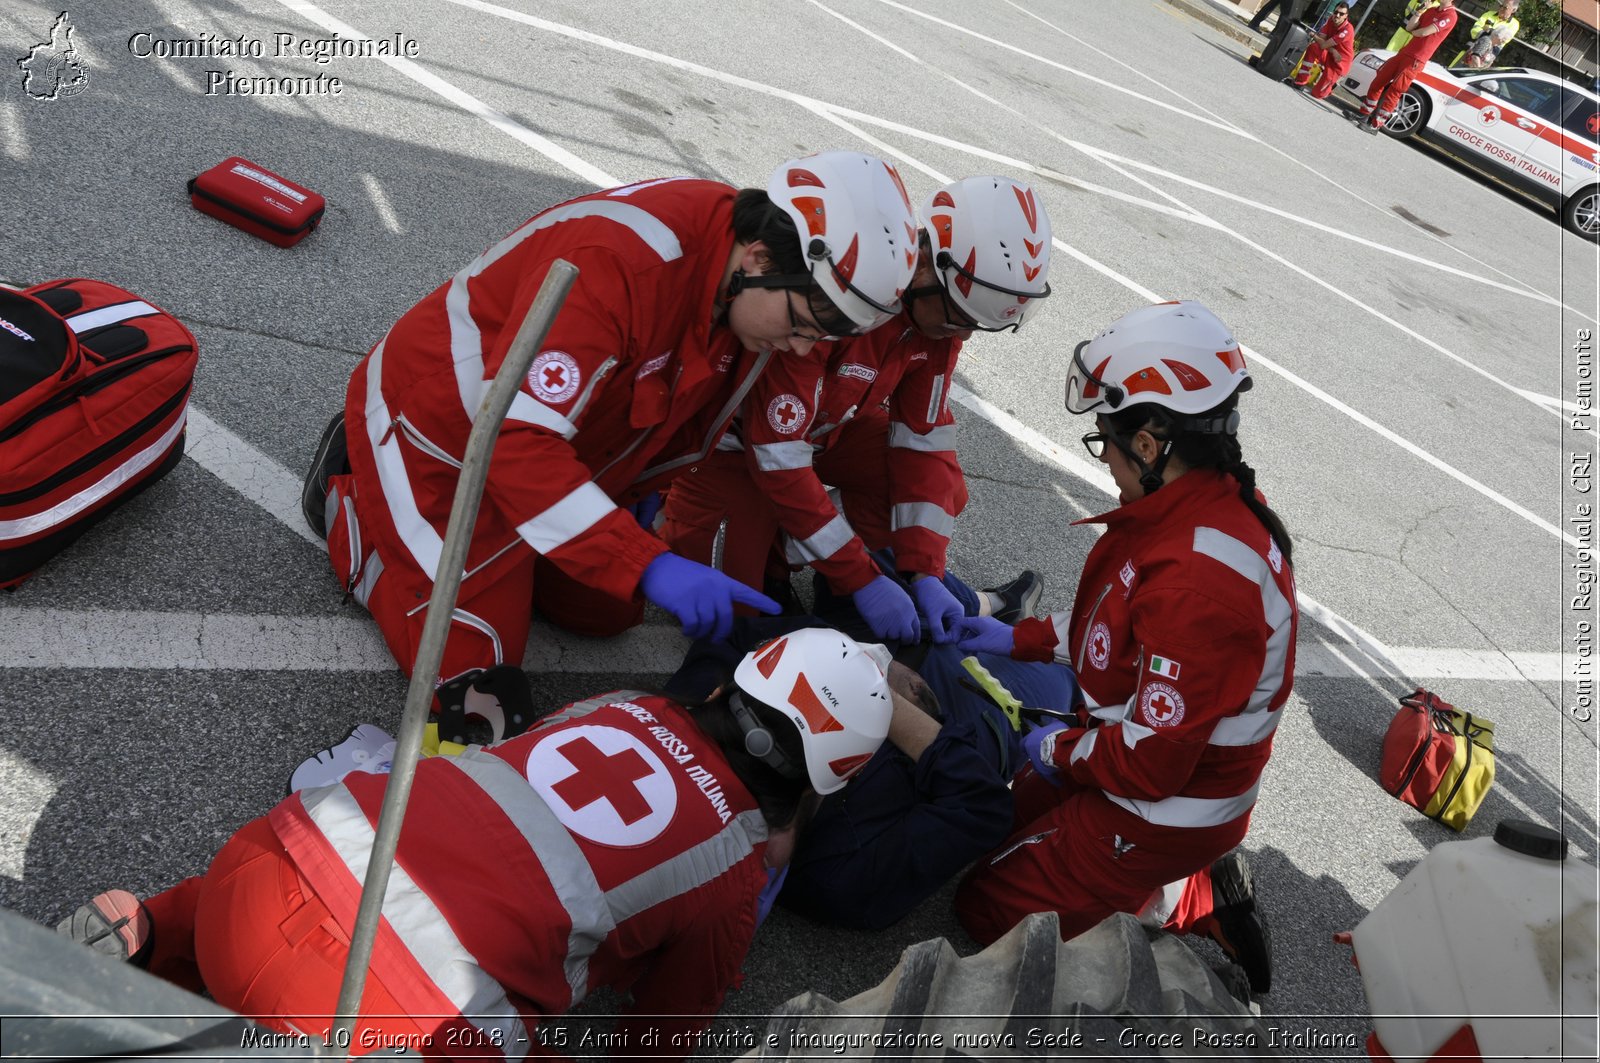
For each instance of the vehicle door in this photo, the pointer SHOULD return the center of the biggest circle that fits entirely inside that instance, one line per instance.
(1519, 118)
(1581, 157)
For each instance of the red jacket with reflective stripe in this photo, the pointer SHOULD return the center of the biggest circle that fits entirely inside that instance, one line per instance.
(794, 412)
(633, 382)
(1421, 49)
(611, 845)
(1182, 637)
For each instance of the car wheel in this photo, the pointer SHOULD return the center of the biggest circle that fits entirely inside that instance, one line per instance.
(1410, 115)
(1581, 212)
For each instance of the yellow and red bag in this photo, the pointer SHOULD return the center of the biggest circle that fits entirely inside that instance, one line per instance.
(1438, 759)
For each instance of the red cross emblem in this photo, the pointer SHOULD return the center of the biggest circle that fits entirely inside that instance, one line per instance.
(555, 377)
(787, 414)
(1162, 705)
(1593, 122)
(605, 777)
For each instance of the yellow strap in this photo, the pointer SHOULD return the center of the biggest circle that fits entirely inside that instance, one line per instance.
(996, 692)
(432, 747)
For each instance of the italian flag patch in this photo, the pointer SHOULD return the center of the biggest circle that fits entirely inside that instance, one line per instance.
(1164, 667)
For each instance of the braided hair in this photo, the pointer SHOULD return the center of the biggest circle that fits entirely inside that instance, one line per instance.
(1205, 450)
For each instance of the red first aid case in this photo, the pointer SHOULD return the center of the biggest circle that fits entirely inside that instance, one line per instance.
(94, 400)
(255, 199)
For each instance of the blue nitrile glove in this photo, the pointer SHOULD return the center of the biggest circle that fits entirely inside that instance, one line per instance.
(984, 634)
(644, 511)
(775, 877)
(1040, 745)
(700, 597)
(887, 609)
(938, 606)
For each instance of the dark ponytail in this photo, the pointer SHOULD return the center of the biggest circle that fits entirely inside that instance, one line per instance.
(1206, 450)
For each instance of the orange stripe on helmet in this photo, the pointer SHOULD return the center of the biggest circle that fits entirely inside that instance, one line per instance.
(845, 767)
(816, 214)
(1233, 359)
(1190, 377)
(1030, 209)
(799, 177)
(1146, 380)
(816, 714)
(846, 266)
(770, 655)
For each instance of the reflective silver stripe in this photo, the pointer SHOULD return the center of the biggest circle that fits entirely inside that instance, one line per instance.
(579, 709)
(466, 340)
(729, 441)
(716, 426)
(569, 518)
(1257, 721)
(940, 438)
(417, 921)
(776, 457)
(560, 856)
(935, 399)
(352, 537)
(110, 315)
(479, 624)
(422, 542)
(70, 507)
(1189, 811)
(834, 536)
(588, 389)
(369, 578)
(331, 508)
(690, 869)
(927, 515)
(1084, 746)
(529, 410)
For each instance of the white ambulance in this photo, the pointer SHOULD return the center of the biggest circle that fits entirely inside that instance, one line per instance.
(1528, 128)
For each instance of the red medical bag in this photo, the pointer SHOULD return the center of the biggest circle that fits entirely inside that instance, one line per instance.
(255, 199)
(94, 397)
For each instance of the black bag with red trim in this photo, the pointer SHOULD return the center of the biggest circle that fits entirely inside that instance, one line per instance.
(94, 397)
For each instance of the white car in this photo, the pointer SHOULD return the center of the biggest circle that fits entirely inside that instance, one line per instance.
(1529, 128)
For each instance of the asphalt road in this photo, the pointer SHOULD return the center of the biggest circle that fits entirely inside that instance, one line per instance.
(1416, 383)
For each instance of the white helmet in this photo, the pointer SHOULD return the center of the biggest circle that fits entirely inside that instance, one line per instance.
(991, 248)
(1176, 355)
(856, 229)
(832, 688)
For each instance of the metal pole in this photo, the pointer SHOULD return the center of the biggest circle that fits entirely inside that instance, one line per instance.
(1363, 20)
(430, 651)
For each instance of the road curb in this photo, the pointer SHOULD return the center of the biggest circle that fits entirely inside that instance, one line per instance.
(1204, 12)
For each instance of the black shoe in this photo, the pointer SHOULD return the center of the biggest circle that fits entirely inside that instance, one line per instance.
(115, 924)
(332, 459)
(1019, 599)
(1237, 924)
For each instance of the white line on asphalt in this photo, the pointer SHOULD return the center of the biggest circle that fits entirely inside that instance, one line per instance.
(464, 100)
(64, 638)
(13, 134)
(1226, 127)
(380, 203)
(1388, 214)
(249, 472)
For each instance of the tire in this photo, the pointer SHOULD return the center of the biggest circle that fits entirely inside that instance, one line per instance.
(1118, 990)
(1410, 115)
(1581, 212)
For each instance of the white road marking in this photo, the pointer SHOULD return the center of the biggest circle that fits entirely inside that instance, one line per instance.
(13, 134)
(89, 639)
(29, 792)
(466, 101)
(381, 204)
(249, 472)
(1318, 174)
(1226, 127)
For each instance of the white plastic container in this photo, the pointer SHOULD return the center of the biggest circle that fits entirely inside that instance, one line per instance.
(1489, 942)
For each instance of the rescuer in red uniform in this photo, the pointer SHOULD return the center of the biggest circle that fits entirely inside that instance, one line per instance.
(1182, 639)
(622, 842)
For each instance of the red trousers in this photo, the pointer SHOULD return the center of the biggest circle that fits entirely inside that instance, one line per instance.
(253, 934)
(1075, 853)
(1334, 64)
(1391, 82)
(722, 488)
(490, 625)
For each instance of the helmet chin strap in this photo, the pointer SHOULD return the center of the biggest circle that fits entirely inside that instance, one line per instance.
(1150, 475)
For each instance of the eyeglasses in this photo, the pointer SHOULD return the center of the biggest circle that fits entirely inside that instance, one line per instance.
(1095, 442)
(798, 328)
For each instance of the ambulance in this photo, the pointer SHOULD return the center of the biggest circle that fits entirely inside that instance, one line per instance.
(1530, 129)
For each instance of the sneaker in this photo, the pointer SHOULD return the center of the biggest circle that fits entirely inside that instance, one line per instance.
(332, 459)
(366, 748)
(1019, 599)
(1237, 924)
(1371, 127)
(115, 923)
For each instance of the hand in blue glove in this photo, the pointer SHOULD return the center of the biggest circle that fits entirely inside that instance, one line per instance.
(644, 511)
(938, 606)
(888, 610)
(700, 597)
(984, 634)
(1040, 744)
